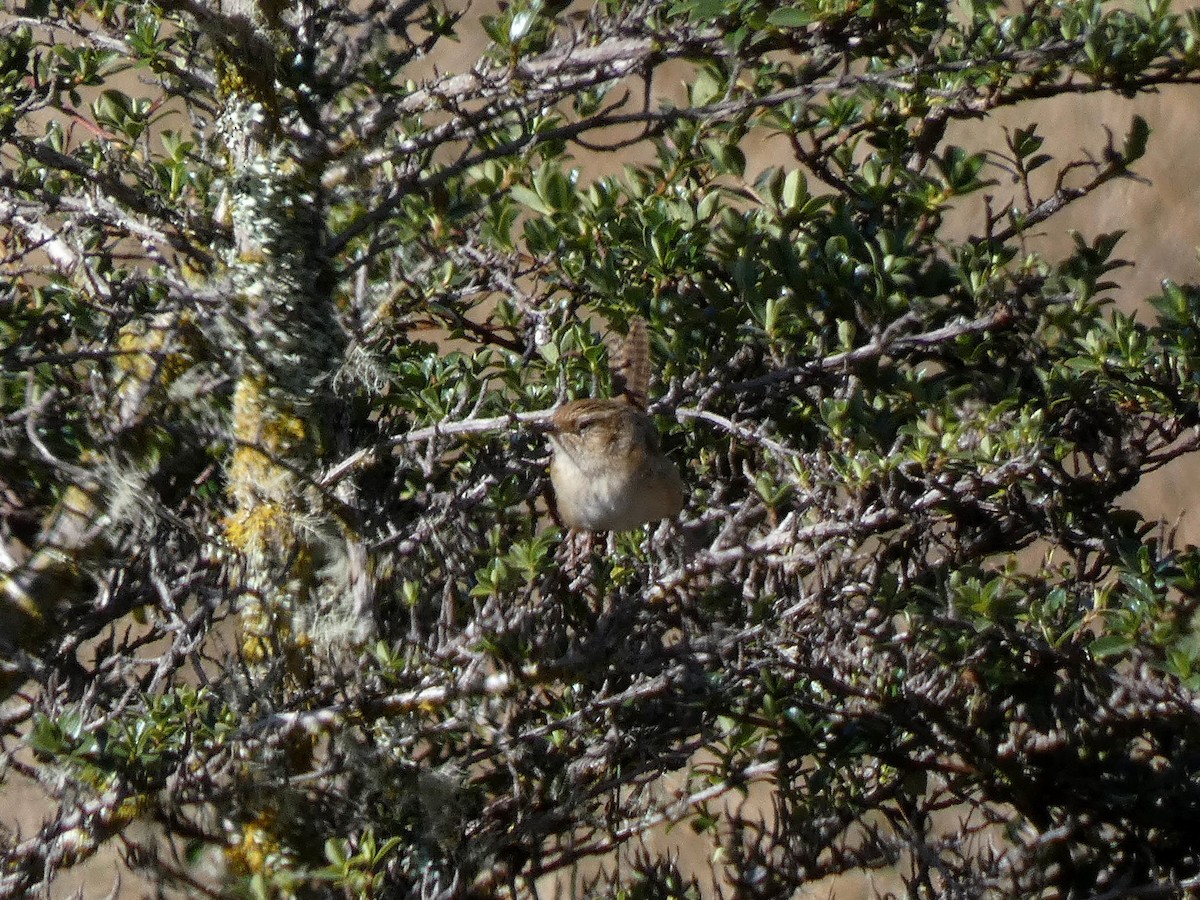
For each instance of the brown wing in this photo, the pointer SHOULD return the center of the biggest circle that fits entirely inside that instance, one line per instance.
(631, 364)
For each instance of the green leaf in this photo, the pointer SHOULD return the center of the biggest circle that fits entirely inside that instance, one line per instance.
(336, 851)
(795, 189)
(521, 23)
(526, 197)
(1136, 140)
(706, 87)
(700, 10)
(1109, 645)
(791, 17)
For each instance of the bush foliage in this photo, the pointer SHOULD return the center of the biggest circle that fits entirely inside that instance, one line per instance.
(284, 289)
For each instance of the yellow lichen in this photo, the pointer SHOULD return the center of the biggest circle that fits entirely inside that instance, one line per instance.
(263, 525)
(252, 854)
(144, 349)
(260, 424)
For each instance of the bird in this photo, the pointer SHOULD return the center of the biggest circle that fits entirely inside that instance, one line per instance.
(607, 466)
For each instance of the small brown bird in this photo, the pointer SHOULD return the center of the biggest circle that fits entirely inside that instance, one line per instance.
(607, 469)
